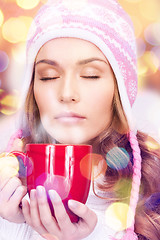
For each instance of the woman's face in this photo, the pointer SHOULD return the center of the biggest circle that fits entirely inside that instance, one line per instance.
(73, 88)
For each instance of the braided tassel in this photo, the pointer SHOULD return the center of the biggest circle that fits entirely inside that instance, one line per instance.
(136, 180)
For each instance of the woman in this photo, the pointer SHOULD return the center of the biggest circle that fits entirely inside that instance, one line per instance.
(81, 81)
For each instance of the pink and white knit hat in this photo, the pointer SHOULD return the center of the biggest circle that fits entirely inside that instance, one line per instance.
(101, 22)
(105, 24)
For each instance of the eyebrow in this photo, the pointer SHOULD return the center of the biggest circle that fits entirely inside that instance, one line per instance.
(82, 62)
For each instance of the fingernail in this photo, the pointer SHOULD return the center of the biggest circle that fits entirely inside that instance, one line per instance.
(22, 189)
(72, 204)
(40, 191)
(54, 196)
(33, 194)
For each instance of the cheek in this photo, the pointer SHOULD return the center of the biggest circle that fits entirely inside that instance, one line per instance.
(44, 98)
(101, 100)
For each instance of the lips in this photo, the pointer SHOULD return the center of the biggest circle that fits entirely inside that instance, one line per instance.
(69, 117)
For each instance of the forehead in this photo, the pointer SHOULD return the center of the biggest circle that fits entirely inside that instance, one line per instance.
(69, 48)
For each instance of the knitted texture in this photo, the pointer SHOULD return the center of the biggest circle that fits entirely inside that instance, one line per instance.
(136, 181)
(103, 23)
(136, 172)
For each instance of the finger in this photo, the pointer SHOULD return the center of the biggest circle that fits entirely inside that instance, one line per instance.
(16, 198)
(26, 211)
(10, 188)
(34, 212)
(6, 175)
(87, 215)
(3, 182)
(60, 212)
(45, 213)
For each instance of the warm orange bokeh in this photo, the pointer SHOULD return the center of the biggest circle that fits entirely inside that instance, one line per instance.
(99, 165)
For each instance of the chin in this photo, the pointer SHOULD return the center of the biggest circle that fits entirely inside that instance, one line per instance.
(73, 140)
(69, 137)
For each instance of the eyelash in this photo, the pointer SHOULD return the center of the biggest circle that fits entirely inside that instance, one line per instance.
(91, 77)
(47, 79)
(54, 78)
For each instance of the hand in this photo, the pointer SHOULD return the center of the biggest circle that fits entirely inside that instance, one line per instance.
(38, 215)
(11, 194)
(11, 189)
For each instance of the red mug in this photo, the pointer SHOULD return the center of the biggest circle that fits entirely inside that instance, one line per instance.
(64, 168)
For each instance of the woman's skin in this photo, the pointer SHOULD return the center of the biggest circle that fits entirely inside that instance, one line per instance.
(80, 82)
(74, 89)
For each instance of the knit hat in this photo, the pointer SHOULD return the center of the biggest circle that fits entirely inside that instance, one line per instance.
(105, 24)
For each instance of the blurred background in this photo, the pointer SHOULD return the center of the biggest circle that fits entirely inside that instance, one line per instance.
(16, 17)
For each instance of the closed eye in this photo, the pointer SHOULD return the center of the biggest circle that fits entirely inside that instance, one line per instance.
(91, 77)
(48, 78)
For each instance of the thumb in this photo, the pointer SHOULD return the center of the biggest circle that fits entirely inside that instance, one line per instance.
(86, 214)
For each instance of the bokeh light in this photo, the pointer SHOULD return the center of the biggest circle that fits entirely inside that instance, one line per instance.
(152, 34)
(1, 17)
(156, 51)
(141, 47)
(99, 166)
(85, 166)
(122, 188)
(9, 165)
(152, 144)
(117, 158)
(9, 102)
(14, 30)
(4, 61)
(149, 9)
(148, 64)
(153, 202)
(119, 216)
(27, 4)
(60, 184)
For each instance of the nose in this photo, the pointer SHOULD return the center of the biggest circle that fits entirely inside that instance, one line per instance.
(69, 91)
